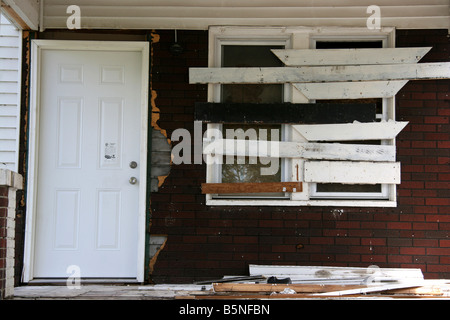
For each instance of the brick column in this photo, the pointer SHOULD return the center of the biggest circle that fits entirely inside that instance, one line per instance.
(10, 182)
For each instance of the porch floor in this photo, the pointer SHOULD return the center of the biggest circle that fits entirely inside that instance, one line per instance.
(109, 292)
(432, 289)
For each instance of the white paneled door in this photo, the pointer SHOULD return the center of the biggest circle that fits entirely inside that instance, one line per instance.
(88, 164)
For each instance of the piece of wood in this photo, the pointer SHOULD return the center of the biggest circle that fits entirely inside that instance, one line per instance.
(350, 90)
(348, 172)
(387, 72)
(383, 130)
(269, 288)
(381, 288)
(364, 56)
(284, 113)
(263, 187)
(287, 149)
(326, 272)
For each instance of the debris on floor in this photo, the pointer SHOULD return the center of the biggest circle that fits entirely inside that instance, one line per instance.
(310, 282)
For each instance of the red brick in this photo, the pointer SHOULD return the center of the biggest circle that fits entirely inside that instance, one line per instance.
(426, 242)
(425, 226)
(438, 268)
(348, 224)
(399, 225)
(412, 251)
(436, 119)
(444, 243)
(373, 241)
(438, 251)
(423, 144)
(423, 96)
(438, 201)
(438, 218)
(400, 259)
(321, 240)
(373, 258)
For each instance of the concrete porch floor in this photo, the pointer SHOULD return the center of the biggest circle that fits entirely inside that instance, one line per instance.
(109, 292)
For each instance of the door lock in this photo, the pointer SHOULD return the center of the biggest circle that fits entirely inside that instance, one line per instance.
(133, 164)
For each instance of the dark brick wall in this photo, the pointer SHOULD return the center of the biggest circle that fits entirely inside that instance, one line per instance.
(209, 242)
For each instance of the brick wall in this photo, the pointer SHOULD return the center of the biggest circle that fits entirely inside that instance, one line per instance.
(208, 242)
(10, 182)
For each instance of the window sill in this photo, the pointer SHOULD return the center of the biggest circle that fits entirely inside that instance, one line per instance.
(290, 203)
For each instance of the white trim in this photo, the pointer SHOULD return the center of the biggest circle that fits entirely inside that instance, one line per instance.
(36, 49)
(296, 203)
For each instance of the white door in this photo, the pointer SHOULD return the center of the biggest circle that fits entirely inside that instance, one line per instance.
(89, 133)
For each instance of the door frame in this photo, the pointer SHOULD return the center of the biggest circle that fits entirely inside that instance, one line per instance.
(37, 46)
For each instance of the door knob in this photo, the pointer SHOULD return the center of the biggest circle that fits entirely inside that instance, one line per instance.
(132, 180)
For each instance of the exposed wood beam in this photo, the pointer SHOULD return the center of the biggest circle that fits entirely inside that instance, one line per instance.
(347, 172)
(337, 57)
(350, 90)
(218, 188)
(278, 113)
(387, 72)
(384, 130)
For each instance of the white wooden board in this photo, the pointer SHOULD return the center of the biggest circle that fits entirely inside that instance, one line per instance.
(350, 90)
(383, 130)
(321, 74)
(347, 172)
(327, 272)
(336, 57)
(284, 149)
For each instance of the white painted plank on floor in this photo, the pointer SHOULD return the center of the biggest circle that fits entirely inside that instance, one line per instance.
(384, 130)
(348, 172)
(390, 72)
(350, 90)
(287, 149)
(326, 272)
(338, 57)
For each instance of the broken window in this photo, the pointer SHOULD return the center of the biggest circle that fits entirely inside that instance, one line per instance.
(255, 103)
(239, 169)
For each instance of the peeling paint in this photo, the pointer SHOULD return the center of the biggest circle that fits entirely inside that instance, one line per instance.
(158, 249)
(155, 111)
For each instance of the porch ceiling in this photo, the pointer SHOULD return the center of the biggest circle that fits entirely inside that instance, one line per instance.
(200, 14)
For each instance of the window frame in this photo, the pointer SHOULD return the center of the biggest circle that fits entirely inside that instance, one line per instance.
(388, 108)
(296, 38)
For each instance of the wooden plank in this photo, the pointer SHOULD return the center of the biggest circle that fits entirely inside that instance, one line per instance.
(351, 131)
(217, 188)
(347, 172)
(381, 288)
(387, 72)
(326, 272)
(269, 288)
(350, 90)
(284, 113)
(287, 149)
(336, 57)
